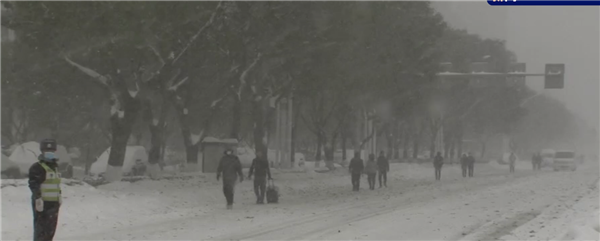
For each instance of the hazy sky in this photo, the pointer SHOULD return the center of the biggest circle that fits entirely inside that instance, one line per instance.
(540, 35)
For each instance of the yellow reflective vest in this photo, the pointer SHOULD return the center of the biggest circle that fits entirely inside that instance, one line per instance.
(51, 186)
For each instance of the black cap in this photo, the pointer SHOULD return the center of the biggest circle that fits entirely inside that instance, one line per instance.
(48, 145)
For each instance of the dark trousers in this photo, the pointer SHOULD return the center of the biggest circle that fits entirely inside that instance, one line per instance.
(371, 179)
(356, 181)
(471, 167)
(44, 222)
(260, 185)
(512, 167)
(464, 169)
(438, 172)
(383, 177)
(228, 191)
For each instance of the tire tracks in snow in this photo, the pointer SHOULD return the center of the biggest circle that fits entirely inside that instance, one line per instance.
(503, 227)
(312, 227)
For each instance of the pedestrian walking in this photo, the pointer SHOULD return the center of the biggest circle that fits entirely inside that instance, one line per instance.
(46, 199)
(356, 169)
(539, 160)
(534, 161)
(511, 160)
(230, 168)
(384, 167)
(464, 164)
(371, 171)
(438, 162)
(261, 170)
(471, 164)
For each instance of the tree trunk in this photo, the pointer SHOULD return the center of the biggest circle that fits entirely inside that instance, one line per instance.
(259, 127)
(390, 146)
(416, 148)
(452, 149)
(432, 146)
(329, 153)
(318, 157)
(121, 130)
(459, 140)
(405, 143)
(344, 147)
(483, 146)
(236, 122)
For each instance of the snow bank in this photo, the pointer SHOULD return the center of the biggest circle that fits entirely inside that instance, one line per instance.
(132, 154)
(27, 153)
(7, 163)
(84, 209)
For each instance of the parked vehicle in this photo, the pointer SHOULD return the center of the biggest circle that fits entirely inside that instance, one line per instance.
(547, 157)
(564, 160)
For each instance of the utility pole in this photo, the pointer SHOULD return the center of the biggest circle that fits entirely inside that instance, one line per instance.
(479, 76)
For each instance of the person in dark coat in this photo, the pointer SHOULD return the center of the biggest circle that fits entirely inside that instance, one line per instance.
(438, 162)
(356, 168)
(383, 167)
(471, 164)
(464, 164)
(230, 168)
(260, 169)
(44, 183)
(534, 161)
(371, 171)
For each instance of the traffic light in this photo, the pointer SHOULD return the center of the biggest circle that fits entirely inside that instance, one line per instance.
(555, 76)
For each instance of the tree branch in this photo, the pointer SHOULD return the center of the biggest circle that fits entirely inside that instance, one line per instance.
(176, 86)
(208, 23)
(90, 72)
(244, 75)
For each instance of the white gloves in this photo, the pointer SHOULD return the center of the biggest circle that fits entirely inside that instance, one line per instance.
(39, 205)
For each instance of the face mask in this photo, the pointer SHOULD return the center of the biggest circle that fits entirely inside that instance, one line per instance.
(49, 156)
(228, 152)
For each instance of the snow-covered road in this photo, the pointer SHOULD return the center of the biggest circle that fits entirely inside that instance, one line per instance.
(492, 205)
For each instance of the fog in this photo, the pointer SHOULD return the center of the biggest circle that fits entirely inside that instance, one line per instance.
(540, 35)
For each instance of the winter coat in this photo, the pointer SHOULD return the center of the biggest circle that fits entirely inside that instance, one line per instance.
(383, 164)
(37, 176)
(464, 160)
(260, 168)
(356, 166)
(470, 160)
(512, 159)
(438, 161)
(371, 167)
(229, 168)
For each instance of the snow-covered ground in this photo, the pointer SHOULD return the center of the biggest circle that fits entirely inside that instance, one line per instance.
(312, 205)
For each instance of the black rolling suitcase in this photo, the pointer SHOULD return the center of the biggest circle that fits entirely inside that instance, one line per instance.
(272, 192)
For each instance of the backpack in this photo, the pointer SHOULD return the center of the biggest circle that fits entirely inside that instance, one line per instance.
(272, 192)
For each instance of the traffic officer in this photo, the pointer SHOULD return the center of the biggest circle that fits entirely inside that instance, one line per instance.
(44, 183)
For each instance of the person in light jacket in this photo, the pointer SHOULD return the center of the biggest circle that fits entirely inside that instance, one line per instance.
(371, 171)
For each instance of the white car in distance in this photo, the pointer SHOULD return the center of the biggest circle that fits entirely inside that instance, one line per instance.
(564, 160)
